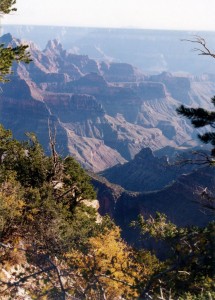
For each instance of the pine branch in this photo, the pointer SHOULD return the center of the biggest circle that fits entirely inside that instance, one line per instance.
(208, 137)
(199, 117)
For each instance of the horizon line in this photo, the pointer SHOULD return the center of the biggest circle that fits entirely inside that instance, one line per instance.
(112, 28)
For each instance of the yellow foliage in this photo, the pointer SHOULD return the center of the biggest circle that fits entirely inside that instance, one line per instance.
(110, 266)
(111, 257)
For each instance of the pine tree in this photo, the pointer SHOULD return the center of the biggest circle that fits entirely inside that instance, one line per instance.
(10, 54)
(6, 6)
(201, 117)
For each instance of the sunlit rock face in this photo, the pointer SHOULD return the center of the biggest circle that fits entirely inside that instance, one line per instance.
(104, 112)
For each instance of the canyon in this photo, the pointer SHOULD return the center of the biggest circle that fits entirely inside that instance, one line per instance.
(117, 121)
(104, 112)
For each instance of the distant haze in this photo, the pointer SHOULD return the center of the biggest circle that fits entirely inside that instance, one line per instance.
(154, 14)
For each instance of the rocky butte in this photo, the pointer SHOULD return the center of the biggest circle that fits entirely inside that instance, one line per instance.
(104, 112)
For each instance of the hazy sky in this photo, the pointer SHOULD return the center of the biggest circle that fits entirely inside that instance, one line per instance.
(161, 14)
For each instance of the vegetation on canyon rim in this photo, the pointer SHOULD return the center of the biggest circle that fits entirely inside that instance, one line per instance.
(10, 54)
(53, 245)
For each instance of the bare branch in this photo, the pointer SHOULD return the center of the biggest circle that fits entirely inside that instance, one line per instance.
(207, 200)
(59, 278)
(201, 158)
(25, 278)
(52, 142)
(204, 50)
(45, 258)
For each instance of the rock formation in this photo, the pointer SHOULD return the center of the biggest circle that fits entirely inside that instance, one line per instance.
(181, 200)
(104, 112)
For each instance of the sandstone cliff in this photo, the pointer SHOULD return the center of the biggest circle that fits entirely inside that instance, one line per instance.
(104, 112)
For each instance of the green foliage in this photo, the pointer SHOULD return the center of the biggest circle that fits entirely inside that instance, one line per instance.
(11, 207)
(6, 6)
(202, 296)
(44, 203)
(78, 183)
(53, 197)
(157, 227)
(201, 117)
(190, 267)
(9, 54)
(5, 138)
